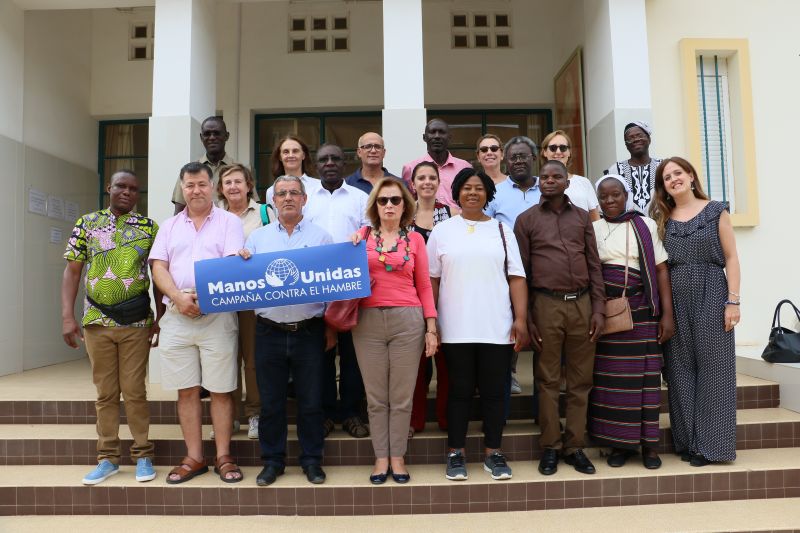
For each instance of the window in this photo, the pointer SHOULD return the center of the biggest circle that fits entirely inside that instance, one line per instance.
(480, 30)
(140, 41)
(319, 33)
(719, 122)
(123, 144)
(715, 133)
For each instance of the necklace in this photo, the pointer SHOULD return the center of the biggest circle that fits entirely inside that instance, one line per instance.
(470, 224)
(403, 235)
(610, 230)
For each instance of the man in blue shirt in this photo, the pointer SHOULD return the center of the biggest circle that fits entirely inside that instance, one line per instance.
(290, 337)
(371, 152)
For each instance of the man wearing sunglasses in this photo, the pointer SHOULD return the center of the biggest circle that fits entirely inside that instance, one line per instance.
(340, 209)
(437, 137)
(371, 151)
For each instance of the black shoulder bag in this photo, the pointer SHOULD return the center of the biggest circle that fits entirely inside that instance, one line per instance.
(784, 344)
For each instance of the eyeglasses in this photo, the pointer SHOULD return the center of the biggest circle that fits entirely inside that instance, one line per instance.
(371, 146)
(557, 147)
(326, 158)
(383, 200)
(211, 133)
(485, 149)
(519, 157)
(292, 192)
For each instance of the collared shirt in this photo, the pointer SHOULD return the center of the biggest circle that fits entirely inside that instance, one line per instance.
(341, 212)
(357, 180)
(310, 184)
(447, 172)
(180, 244)
(510, 200)
(250, 217)
(177, 192)
(559, 250)
(116, 250)
(274, 238)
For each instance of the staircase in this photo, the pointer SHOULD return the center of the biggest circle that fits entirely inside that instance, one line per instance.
(47, 444)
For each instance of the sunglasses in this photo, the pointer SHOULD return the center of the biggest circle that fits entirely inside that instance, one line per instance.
(557, 147)
(383, 200)
(485, 149)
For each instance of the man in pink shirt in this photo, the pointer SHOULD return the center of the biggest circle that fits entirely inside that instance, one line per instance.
(437, 137)
(197, 350)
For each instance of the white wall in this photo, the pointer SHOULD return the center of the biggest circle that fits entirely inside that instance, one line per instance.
(11, 63)
(769, 253)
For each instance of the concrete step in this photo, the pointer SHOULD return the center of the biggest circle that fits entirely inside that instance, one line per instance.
(53, 444)
(76, 404)
(756, 474)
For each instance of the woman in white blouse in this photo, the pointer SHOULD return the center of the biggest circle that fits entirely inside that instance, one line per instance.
(557, 146)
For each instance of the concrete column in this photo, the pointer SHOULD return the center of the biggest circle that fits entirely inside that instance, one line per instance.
(403, 82)
(184, 93)
(616, 77)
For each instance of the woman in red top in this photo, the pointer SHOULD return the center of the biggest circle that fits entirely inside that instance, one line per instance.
(395, 323)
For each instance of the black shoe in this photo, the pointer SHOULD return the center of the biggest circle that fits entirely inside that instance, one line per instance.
(268, 475)
(378, 479)
(327, 427)
(699, 460)
(548, 464)
(400, 478)
(618, 457)
(581, 463)
(651, 462)
(314, 474)
(685, 456)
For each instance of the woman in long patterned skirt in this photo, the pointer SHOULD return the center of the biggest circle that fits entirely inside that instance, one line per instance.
(625, 400)
(700, 361)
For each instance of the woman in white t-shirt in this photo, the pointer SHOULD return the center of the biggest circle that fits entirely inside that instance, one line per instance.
(481, 293)
(558, 146)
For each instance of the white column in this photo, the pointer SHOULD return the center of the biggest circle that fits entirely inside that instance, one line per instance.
(184, 93)
(404, 115)
(616, 77)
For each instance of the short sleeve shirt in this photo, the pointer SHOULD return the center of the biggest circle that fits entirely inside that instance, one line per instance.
(116, 250)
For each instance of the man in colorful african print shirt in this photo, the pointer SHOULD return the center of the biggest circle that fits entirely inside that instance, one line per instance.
(114, 243)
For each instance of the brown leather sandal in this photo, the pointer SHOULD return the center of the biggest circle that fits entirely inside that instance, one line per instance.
(195, 468)
(225, 465)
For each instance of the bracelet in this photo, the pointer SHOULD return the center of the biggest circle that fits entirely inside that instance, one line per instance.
(431, 332)
(735, 294)
(728, 302)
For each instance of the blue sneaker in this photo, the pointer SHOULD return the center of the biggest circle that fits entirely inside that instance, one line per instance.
(144, 469)
(104, 470)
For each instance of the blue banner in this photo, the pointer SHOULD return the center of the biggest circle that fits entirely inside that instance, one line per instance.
(301, 276)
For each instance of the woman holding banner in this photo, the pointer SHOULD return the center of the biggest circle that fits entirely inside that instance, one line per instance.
(395, 323)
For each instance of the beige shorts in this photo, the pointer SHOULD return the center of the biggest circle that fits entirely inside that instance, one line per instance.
(198, 351)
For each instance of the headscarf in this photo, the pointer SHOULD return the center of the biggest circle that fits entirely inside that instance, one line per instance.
(644, 241)
(639, 124)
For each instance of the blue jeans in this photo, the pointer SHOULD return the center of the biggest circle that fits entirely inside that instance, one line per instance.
(302, 352)
(351, 386)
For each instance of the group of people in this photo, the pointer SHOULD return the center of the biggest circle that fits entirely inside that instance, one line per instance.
(467, 266)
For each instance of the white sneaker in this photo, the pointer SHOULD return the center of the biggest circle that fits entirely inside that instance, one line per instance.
(252, 430)
(236, 427)
(515, 388)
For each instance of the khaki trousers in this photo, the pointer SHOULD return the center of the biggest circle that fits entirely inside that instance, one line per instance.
(388, 342)
(251, 404)
(564, 328)
(119, 365)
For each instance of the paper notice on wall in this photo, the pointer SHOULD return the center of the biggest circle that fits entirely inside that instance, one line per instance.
(55, 235)
(71, 211)
(37, 202)
(55, 207)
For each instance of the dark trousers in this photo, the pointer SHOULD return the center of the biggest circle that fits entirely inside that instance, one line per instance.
(488, 365)
(351, 386)
(302, 352)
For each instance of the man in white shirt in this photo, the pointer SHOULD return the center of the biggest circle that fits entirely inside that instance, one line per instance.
(340, 209)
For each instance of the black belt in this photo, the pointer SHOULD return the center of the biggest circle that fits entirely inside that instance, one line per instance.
(287, 326)
(561, 295)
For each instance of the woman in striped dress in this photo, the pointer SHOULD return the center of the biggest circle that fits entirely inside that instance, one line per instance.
(625, 401)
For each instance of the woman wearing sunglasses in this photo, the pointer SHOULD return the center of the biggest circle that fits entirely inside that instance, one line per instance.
(425, 184)
(395, 323)
(482, 296)
(558, 146)
(490, 156)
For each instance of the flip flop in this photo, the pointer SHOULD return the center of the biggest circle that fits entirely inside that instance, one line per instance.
(196, 468)
(225, 465)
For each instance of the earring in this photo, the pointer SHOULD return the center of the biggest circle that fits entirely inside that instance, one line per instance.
(692, 185)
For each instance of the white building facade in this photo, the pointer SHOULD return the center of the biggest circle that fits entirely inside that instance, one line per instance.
(89, 86)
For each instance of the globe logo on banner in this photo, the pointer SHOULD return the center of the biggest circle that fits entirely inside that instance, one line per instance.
(281, 272)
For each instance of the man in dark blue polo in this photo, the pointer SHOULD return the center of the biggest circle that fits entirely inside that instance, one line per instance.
(371, 152)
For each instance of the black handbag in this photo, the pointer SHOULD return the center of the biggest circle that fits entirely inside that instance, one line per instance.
(127, 312)
(784, 344)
